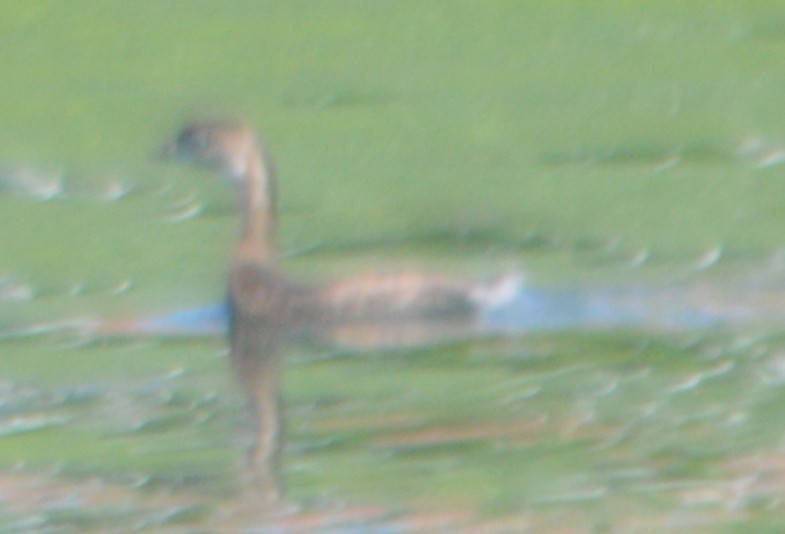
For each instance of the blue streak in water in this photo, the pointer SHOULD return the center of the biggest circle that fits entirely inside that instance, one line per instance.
(535, 309)
(530, 310)
(195, 321)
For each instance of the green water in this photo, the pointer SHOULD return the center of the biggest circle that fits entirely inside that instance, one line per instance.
(567, 137)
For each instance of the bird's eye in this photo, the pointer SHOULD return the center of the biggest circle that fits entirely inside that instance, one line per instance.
(193, 139)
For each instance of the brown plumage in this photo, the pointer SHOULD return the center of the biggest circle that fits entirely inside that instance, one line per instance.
(372, 309)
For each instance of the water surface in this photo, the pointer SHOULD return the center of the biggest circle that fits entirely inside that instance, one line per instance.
(594, 146)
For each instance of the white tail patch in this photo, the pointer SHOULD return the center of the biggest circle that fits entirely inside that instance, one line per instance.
(499, 292)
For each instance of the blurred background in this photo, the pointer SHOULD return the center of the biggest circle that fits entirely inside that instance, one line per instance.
(589, 144)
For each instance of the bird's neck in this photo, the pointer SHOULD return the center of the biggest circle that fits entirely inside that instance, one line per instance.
(256, 192)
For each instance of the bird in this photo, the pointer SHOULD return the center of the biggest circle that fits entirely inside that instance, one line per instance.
(264, 304)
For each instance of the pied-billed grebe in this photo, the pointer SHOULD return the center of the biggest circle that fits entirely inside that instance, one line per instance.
(233, 149)
(263, 303)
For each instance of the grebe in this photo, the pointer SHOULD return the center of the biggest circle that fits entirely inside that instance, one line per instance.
(264, 304)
